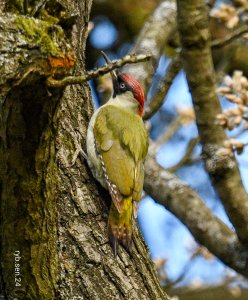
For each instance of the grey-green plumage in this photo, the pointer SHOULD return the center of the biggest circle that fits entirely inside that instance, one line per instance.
(121, 139)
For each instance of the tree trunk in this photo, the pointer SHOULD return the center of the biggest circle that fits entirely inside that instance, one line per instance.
(54, 242)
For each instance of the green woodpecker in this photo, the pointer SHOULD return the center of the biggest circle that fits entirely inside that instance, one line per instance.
(117, 145)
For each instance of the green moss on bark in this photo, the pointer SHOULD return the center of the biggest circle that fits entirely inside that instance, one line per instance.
(39, 34)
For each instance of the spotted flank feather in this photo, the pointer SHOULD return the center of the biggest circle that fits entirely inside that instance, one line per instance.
(113, 190)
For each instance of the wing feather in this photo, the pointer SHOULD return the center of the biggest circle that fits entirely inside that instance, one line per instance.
(122, 151)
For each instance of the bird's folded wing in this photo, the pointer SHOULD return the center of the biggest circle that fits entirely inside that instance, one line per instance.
(121, 143)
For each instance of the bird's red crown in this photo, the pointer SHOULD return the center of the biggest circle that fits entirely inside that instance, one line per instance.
(136, 89)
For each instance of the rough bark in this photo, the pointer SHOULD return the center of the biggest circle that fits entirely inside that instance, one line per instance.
(197, 62)
(53, 214)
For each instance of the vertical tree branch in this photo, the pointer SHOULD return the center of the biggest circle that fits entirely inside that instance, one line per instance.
(152, 39)
(163, 88)
(197, 62)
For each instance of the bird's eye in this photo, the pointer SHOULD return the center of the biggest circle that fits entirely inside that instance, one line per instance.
(122, 85)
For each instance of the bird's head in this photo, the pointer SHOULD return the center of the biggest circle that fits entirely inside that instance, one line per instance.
(123, 83)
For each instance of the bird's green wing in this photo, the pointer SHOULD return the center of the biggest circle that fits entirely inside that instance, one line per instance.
(121, 143)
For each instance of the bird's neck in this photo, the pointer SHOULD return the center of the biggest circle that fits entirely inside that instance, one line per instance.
(125, 101)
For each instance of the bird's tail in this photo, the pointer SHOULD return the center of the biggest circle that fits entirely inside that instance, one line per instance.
(120, 225)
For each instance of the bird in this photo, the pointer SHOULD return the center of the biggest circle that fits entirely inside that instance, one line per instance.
(117, 145)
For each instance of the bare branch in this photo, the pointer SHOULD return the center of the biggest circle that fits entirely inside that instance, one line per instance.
(166, 189)
(169, 132)
(98, 72)
(230, 37)
(187, 156)
(197, 62)
(153, 38)
(159, 97)
(196, 253)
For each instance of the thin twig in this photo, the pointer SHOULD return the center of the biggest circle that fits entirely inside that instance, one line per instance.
(153, 37)
(230, 37)
(98, 72)
(243, 130)
(187, 156)
(170, 131)
(183, 273)
(173, 127)
(159, 98)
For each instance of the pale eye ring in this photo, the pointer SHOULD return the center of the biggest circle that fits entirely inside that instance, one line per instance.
(122, 85)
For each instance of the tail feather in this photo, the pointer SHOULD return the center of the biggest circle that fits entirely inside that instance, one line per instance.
(120, 225)
(114, 242)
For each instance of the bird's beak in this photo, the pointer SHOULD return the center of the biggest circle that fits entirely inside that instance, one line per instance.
(114, 75)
